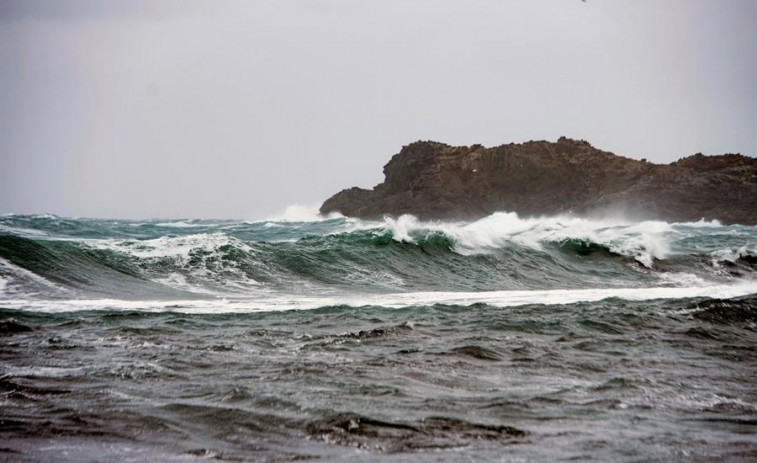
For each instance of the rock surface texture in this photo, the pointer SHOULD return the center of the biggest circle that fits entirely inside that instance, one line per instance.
(436, 181)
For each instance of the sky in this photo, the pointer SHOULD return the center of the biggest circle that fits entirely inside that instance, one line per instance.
(236, 109)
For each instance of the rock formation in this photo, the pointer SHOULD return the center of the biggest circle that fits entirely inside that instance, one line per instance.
(436, 181)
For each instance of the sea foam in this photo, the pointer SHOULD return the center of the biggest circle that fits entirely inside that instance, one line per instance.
(273, 302)
(644, 241)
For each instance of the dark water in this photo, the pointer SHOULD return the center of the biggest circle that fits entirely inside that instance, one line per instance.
(336, 340)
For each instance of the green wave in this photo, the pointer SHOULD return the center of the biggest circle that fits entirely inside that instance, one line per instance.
(196, 258)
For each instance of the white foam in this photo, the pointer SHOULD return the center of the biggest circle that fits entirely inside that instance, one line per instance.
(16, 279)
(682, 279)
(273, 302)
(730, 255)
(701, 223)
(179, 281)
(176, 246)
(207, 264)
(643, 241)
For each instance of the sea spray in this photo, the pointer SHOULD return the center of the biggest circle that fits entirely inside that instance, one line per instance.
(241, 258)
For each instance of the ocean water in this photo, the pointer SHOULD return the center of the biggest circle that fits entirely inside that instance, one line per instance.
(335, 339)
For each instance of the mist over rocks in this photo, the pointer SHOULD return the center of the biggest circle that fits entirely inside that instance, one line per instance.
(433, 180)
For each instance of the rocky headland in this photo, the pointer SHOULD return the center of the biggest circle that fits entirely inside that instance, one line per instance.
(433, 180)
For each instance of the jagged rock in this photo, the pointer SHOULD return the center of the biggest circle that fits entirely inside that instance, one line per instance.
(433, 180)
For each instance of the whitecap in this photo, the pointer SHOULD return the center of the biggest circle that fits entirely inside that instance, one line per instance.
(643, 241)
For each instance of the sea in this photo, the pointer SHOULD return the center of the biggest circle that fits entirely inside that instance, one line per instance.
(310, 338)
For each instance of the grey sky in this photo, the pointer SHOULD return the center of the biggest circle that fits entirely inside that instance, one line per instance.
(236, 109)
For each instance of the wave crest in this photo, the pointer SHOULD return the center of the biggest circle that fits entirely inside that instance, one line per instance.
(500, 252)
(644, 241)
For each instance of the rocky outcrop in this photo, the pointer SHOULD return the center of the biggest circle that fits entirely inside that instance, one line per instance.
(437, 181)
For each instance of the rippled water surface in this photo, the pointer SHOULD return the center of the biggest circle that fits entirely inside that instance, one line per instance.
(337, 340)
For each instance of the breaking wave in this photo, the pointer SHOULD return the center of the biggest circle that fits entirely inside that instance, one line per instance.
(49, 256)
(326, 338)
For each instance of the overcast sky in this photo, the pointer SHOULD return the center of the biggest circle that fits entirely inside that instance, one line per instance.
(235, 109)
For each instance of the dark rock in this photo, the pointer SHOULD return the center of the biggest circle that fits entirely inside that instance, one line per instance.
(437, 181)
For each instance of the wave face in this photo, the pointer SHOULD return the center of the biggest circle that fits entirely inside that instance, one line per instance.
(305, 338)
(48, 256)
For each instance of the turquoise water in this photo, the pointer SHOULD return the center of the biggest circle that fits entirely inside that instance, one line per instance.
(339, 340)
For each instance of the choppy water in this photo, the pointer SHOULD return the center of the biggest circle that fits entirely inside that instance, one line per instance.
(503, 339)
